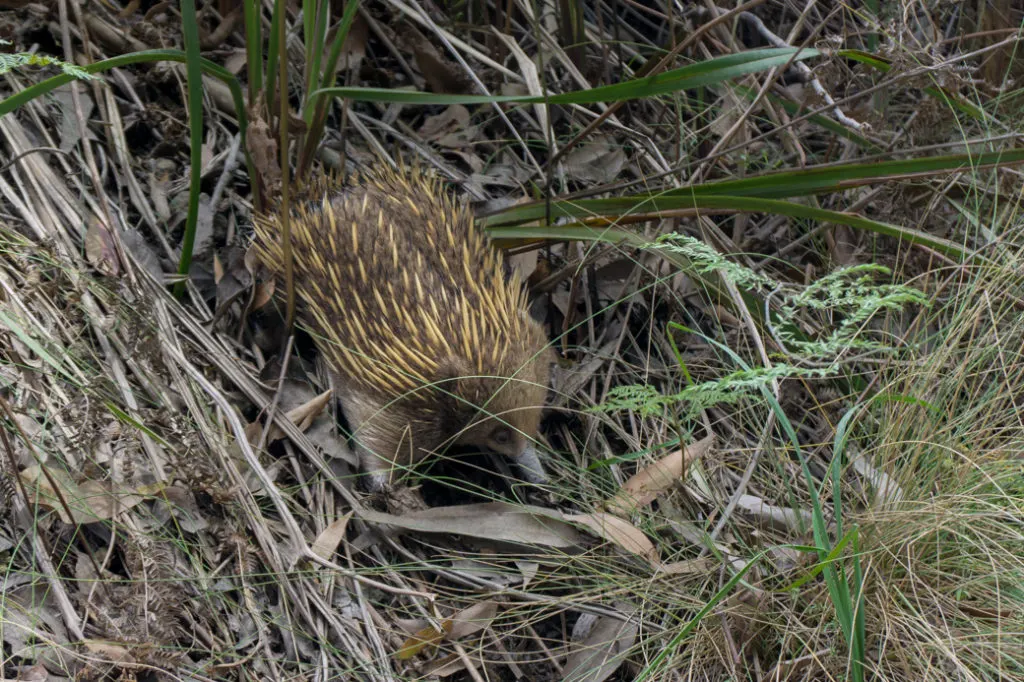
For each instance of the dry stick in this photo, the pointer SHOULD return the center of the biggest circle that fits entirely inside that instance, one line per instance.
(662, 63)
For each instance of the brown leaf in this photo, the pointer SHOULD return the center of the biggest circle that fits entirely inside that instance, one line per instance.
(262, 147)
(463, 624)
(100, 250)
(472, 620)
(645, 485)
(326, 544)
(442, 75)
(772, 515)
(619, 531)
(598, 161)
(498, 521)
(302, 416)
(89, 502)
(109, 652)
(602, 651)
(427, 637)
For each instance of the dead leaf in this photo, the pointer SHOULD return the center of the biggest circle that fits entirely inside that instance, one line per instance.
(454, 118)
(89, 502)
(688, 567)
(100, 250)
(786, 517)
(302, 416)
(523, 524)
(262, 147)
(442, 75)
(446, 666)
(645, 485)
(326, 544)
(110, 652)
(602, 652)
(887, 490)
(427, 637)
(473, 619)
(140, 250)
(620, 532)
(528, 569)
(598, 161)
(463, 624)
(36, 673)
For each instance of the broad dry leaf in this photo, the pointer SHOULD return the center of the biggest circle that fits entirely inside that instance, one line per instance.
(598, 161)
(688, 567)
(452, 119)
(89, 502)
(463, 624)
(887, 490)
(446, 666)
(619, 531)
(786, 517)
(109, 652)
(472, 620)
(100, 250)
(498, 521)
(528, 569)
(645, 485)
(602, 652)
(441, 74)
(427, 637)
(326, 544)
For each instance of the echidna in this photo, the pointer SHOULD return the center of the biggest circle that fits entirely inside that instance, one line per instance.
(428, 339)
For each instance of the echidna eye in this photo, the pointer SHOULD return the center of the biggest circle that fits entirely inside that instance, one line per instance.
(501, 436)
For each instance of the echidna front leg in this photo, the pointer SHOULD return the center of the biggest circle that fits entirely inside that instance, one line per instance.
(375, 444)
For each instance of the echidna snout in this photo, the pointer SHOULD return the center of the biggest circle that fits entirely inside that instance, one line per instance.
(509, 422)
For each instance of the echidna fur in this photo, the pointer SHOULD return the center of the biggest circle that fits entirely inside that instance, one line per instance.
(427, 335)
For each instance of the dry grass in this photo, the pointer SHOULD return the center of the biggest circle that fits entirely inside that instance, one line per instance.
(156, 528)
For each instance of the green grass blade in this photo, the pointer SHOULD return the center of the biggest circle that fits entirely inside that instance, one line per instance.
(649, 207)
(194, 77)
(704, 73)
(254, 45)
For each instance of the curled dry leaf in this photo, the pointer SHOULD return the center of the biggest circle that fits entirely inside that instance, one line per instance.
(302, 416)
(442, 74)
(326, 544)
(100, 250)
(769, 514)
(646, 484)
(113, 653)
(427, 637)
(262, 147)
(463, 624)
(497, 521)
(619, 531)
(887, 490)
(89, 501)
(602, 651)
(600, 161)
